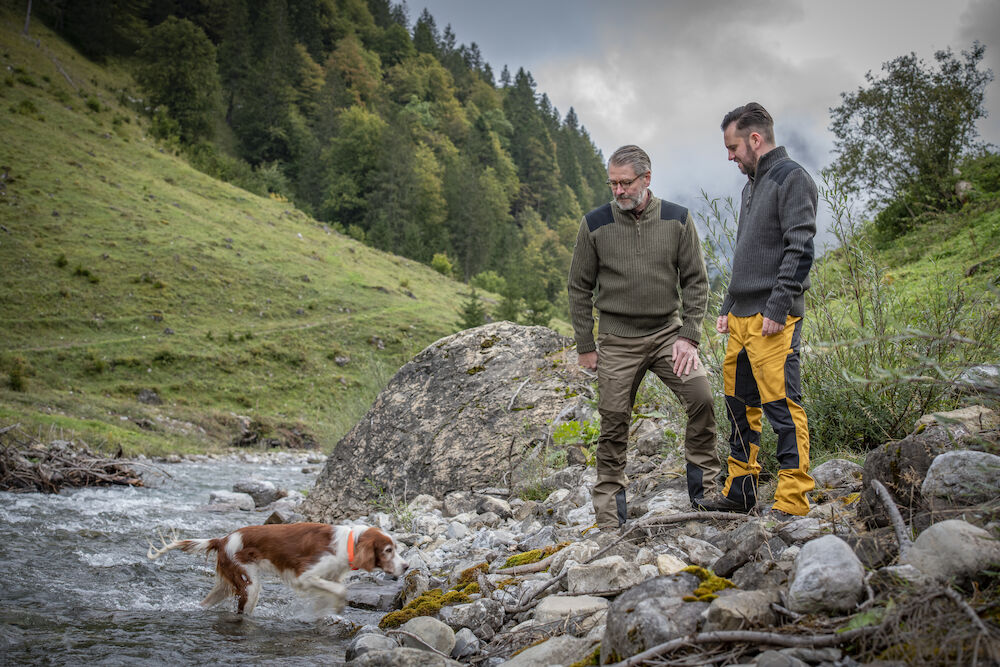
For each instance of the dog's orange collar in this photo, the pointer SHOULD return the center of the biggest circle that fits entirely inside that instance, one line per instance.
(350, 549)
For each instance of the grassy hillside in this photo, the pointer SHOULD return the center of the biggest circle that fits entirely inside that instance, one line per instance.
(124, 270)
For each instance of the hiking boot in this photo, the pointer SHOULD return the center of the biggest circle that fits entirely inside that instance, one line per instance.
(720, 503)
(780, 515)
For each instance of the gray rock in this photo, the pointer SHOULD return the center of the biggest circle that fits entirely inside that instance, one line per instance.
(577, 551)
(742, 610)
(558, 607)
(901, 466)
(242, 500)
(403, 657)
(838, 474)
(960, 479)
(263, 492)
(415, 583)
(560, 650)
(484, 617)
(457, 531)
(544, 537)
(466, 644)
(739, 547)
(802, 530)
(431, 631)
(982, 379)
(459, 502)
(457, 390)
(284, 515)
(374, 596)
(651, 613)
(953, 550)
(699, 552)
(760, 575)
(606, 574)
(773, 658)
(828, 577)
(365, 642)
(974, 418)
(496, 505)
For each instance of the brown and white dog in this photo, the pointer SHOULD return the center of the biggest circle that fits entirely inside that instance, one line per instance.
(312, 558)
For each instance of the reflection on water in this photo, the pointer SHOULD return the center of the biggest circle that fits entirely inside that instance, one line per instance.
(76, 586)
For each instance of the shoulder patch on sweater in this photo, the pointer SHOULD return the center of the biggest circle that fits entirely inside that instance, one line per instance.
(779, 172)
(672, 211)
(599, 217)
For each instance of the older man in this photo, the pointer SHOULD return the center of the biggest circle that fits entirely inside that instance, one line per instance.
(641, 256)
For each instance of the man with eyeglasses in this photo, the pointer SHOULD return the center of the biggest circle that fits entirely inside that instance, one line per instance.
(638, 260)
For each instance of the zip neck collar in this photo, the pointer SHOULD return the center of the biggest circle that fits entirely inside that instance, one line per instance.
(768, 160)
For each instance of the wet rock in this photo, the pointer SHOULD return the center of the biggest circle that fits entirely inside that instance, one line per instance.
(828, 577)
(369, 641)
(242, 500)
(375, 596)
(431, 632)
(263, 492)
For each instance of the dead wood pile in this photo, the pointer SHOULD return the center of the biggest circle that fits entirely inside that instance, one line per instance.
(29, 465)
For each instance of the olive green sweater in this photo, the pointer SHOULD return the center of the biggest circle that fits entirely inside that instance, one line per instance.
(642, 275)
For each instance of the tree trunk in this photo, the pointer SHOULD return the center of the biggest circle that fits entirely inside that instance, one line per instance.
(27, 19)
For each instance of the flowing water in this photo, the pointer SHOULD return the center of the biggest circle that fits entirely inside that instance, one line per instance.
(76, 586)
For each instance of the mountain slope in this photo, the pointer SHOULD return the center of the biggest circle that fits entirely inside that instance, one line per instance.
(125, 270)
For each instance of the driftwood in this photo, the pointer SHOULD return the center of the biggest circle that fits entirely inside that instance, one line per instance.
(28, 465)
(898, 525)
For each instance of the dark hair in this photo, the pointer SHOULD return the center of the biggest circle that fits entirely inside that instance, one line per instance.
(751, 117)
(632, 156)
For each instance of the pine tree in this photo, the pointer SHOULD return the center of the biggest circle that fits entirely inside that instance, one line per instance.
(473, 311)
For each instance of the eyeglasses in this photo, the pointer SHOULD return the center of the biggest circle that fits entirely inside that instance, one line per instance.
(625, 183)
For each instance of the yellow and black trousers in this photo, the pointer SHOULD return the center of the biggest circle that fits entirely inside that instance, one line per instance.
(762, 377)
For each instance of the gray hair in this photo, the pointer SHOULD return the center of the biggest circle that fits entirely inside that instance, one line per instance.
(632, 156)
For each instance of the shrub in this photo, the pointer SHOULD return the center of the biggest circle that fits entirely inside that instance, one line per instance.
(876, 360)
(442, 264)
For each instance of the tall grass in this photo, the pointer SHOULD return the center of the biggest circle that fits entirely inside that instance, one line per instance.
(879, 354)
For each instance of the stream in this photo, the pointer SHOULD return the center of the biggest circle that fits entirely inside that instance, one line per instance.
(76, 586)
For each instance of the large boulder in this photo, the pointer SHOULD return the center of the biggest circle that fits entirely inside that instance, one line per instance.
(901, 466)
(472, 410)
(828, 578)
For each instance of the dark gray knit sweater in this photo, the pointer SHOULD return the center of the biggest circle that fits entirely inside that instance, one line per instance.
(774, 243)
(648, 274)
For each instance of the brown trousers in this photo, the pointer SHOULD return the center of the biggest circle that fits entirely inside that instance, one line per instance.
(621, 365)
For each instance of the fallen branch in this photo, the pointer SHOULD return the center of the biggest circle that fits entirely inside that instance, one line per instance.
(750, 637)
(898, 525)
(528, 568)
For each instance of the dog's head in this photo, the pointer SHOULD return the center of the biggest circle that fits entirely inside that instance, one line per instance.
(376, 549)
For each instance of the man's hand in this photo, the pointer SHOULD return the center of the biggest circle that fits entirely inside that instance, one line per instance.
(685, 357)
(588, 360)
(722, 324)
(770, 327)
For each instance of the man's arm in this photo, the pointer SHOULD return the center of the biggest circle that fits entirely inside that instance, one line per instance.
(580, 285)
(797, 200)
(693, 279)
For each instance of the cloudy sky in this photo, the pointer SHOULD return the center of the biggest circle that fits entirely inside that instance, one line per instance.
(662, 73)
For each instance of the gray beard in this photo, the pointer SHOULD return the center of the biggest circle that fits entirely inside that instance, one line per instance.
(630, 203)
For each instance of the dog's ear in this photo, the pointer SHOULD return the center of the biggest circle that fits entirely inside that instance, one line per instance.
(364, 554)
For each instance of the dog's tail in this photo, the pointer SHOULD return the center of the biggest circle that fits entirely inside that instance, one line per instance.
(187, 546)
